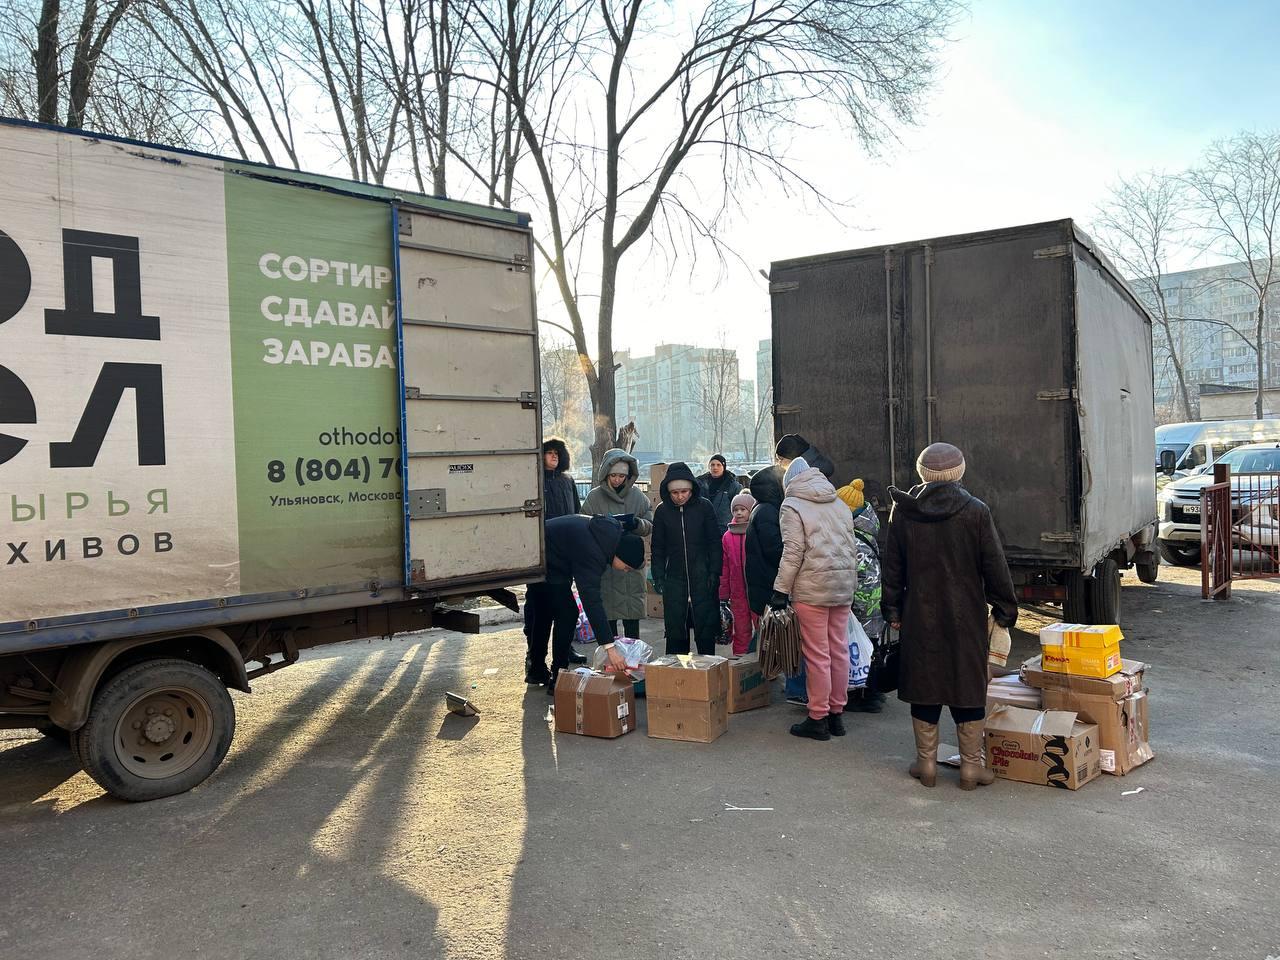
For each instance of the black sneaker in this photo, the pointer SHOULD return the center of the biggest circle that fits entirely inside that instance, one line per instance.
(551, 683)
(811, 728)
(835, 724)
(576, 658)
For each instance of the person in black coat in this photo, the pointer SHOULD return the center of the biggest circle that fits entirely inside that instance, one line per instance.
(720, 487)
(559, 499)
(685, 562)
(764, 538)
(579, 550)
(943, 568)
(793, 447)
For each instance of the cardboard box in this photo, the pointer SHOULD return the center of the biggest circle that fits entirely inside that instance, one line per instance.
(594, 704)
(1080, 649)
(1122, 726)
(696, 721)
(687, 677)
(1128, 680)
(1048, 747)
(748, 689)
(1012, 692)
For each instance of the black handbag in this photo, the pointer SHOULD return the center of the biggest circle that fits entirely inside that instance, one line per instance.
(885, 657)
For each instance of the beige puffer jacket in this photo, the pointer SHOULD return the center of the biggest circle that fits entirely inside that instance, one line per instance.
(819, 548)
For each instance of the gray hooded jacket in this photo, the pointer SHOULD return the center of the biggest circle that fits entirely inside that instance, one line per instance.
(623, 590)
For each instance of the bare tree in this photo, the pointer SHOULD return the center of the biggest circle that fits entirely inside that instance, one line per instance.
(758, 418)
(629, 104)
(1139, 225)
(717, 396)
(1236, 189)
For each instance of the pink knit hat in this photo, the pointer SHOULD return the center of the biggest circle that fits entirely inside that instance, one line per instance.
(743, 499)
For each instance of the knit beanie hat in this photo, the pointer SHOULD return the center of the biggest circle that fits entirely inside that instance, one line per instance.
(791, 446)
(743, 499)
(630, 551)
(851, 495)
(720, 456)
(798, 466)
(940, 463)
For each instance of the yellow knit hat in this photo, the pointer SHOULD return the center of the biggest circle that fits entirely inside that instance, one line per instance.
(851, 494)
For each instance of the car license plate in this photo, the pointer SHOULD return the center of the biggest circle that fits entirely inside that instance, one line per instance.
(1191, 508)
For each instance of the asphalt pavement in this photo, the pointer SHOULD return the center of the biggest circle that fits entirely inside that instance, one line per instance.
(356, 818)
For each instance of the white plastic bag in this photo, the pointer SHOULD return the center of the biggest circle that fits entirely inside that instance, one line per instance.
(859, 654)
(636, 652)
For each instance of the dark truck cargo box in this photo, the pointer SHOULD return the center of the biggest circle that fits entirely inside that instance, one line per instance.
(1023, 347)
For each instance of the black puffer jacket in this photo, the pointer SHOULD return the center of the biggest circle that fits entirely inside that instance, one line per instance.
(685, 533)
(764, 537)
(721, 493)
(559, 492)
(580, 549)
(943, 567)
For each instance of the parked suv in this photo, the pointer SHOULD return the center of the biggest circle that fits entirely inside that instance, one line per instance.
(1180, 504)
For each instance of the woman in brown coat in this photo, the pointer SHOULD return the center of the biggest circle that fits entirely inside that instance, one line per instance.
(943, 569)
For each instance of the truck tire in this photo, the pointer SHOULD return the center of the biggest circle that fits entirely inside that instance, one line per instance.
(1180, 555)
(155, 729)
(1104, 598)
(1075, 609)
(1148, 568)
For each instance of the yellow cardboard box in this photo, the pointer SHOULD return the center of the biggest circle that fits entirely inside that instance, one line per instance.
(1081, 649)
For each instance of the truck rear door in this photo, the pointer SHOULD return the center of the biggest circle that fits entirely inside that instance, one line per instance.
(471, 430)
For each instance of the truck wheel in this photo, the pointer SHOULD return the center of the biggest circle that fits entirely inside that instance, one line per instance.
(1149, 570)
(1180, 555)
(155, 729)
(1104, 598)
(1075, 609)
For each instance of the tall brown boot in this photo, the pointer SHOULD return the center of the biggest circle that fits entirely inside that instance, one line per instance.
(973, 771)
(925, 769)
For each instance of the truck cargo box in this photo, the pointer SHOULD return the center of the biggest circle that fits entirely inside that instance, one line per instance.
(1021, 346)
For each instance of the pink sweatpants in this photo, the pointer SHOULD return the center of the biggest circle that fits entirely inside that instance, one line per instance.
(824, 637)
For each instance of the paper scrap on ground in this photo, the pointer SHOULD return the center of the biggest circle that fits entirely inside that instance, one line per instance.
(491, 671)
(1130, 793)
(729, 807)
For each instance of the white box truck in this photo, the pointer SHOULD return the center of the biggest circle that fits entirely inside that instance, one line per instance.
(243, 411)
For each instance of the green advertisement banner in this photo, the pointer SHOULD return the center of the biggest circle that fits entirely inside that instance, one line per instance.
(313, 361)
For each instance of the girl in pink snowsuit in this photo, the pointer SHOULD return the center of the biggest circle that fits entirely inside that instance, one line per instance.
(733, 578)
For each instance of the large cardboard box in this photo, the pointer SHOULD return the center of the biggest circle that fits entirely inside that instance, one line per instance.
(687, 677)
(697, 721)
(1122, 725)
(594, 704)
(748, 689)
(1127, 680)
(1048, 747)
(1081, 649)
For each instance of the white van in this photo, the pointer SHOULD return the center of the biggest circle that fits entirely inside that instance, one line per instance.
(1196, 444)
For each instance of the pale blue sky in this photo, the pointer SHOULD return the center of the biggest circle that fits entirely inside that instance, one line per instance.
(1039, 107)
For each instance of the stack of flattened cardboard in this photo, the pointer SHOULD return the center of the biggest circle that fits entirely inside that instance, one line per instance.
(688, 697)
(1050, 747)
(653, 601)
(1117, 704)
(1012, 692)
(594, 704)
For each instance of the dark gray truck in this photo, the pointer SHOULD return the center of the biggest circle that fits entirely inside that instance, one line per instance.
(1022, 346)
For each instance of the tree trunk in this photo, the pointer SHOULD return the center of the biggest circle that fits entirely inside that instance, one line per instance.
(1183, 394)
(604, 396)
(1262, 356)
(47, 62)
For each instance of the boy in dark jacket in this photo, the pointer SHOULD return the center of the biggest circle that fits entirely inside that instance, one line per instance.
(764, 538)
(579, 550)
(685, 564)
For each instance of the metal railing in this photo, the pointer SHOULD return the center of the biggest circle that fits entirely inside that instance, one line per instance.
(1239, 530)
